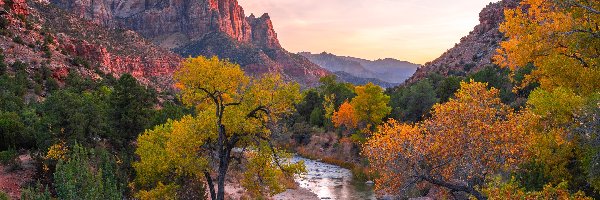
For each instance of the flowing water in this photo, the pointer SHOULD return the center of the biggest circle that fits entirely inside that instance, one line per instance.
(332, 182)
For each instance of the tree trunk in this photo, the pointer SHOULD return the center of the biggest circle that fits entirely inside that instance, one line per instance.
(460, 188)
(223, 165)
(224, 155)
(211, 185)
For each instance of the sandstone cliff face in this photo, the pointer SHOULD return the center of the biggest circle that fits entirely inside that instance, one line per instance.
(263, 33)
(173, 23)
(62, 43)
(202, 27)
(165, 21)
(474, 50)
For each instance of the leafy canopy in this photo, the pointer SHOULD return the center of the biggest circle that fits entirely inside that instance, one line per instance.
(467, 138)
(232, 111)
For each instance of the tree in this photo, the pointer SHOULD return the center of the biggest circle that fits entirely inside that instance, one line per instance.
(11, 129)
(345, 116)
(316, 117)
(232, 110)
(447, 87)
(341, 91)
(466, 139)
(497, 78)
(560, 38)
(418, 101)
(371, 104)
(311, 100)
(510, 190)
(131, 108)
(73, 117)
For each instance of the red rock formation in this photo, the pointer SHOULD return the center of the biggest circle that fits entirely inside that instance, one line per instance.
(263, 33)
(110, 51)
(169, 23)
(474, 50)
(188, 26)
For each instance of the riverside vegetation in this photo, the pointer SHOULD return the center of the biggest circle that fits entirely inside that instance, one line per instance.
(525, 127)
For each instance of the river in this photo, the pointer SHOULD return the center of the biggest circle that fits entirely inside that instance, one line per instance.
(332, 182)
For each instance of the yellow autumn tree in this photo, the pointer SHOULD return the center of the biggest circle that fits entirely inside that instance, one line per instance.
(560, 38)
(466, 139)
(232, 111)
(370, 104)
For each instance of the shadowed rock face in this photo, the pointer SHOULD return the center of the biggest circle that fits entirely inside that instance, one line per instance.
(474, 50)
(193, 27)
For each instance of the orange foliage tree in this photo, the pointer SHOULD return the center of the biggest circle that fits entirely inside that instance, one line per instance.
(345, 116)
(560, 38)
(465, 140)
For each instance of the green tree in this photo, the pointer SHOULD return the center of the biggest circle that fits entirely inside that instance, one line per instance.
(447, 87)
(342, 91)
(312, 99)
(131, 109)
(316, 117)
(11, 130)
(496, 78)
(71, 117)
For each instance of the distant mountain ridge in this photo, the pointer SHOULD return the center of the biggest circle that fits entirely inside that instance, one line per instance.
(388, 71)
(202, 27)
(349, 78)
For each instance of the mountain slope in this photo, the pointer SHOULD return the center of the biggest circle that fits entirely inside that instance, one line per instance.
(202, 27)
(44, 37)
(386, 70)
(474, 50)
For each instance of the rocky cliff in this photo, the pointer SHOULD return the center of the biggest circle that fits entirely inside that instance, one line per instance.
(192, 27)
(43, 36)
(474, 50)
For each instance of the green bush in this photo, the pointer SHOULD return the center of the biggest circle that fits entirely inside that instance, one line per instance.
(36, 192)
(87, 175)
(8, 156)
(13, 133)
(9, 159)
(18, 40)
(4, 196)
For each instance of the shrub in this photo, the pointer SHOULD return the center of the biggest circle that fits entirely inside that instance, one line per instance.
(76, 178)
(18, 40)
(36, 192)
(4, 196)
(9, 158)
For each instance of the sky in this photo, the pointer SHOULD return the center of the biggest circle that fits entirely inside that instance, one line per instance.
(412, 30)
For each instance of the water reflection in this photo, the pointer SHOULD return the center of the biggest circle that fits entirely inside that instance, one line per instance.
(332, 182)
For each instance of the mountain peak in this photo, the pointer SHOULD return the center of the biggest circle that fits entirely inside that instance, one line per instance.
(209, 28)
